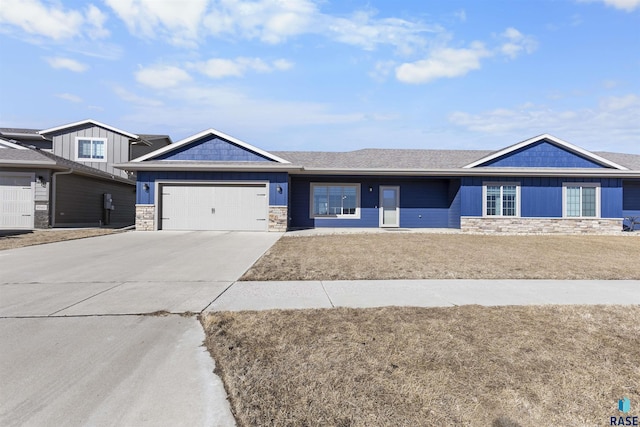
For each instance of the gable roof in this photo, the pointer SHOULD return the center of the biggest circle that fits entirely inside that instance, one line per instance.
(87, 122)
(21, 134)
(204, 133)
(25, 157)
(5, 143)
(552, 139)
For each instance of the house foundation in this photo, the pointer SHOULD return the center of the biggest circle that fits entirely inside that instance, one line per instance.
(541, 225)
(145, 217)
(278, 218)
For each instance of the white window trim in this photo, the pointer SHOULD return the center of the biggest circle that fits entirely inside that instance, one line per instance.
(334, 184)
(500, 183)
(83, 159)
(595, 185)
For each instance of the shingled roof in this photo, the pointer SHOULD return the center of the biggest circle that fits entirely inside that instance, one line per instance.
(411, 159)
(31, 157)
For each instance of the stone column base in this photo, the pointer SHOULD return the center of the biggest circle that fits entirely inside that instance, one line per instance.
(541, 225)
(145, 217)
(278, 218)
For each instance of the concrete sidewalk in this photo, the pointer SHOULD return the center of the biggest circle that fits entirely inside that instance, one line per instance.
(422, 293)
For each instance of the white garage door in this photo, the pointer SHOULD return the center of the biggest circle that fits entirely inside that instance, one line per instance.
(223, 207)
(16, 202)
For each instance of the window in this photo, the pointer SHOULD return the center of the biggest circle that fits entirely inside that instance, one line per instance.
(335, 200)
(501, 199)
(91, 149)
(581, 200)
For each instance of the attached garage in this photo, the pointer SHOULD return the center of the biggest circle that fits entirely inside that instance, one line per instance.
(17, 195)
(218, 207)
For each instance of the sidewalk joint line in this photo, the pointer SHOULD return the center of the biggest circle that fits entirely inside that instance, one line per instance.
(86, 299)
(327, 294)
(219, 295)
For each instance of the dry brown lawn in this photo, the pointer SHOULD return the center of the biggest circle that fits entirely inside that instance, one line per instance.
(12, 240)
(449, 256)
(467, 366)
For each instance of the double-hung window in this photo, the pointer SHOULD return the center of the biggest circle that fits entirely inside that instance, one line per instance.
(91, 149)
(335, 200)
(581, 200)
(501, 199)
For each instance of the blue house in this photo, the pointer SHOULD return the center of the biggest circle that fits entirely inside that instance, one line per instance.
(213, 181)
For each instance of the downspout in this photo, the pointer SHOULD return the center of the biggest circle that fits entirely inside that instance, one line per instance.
(53, 194)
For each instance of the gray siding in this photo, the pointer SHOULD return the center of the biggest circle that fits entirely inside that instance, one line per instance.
(64, 145)
(79, 201)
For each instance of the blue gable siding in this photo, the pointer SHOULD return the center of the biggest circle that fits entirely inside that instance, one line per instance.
(542, 197)
(276, 180)
(542, 154)
(424, 203)
(212, 148)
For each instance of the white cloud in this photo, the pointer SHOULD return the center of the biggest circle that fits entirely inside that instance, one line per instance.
(363, 30)
(444, 62)
(282, 64)
(616, 103)
(134, 99)
(516, 43)
(236, 112)
(382, 70)
(453, 62)
(614, 116)
(69, 97)
(95, 20)
(162, 76)
(52, 20)
(67, 64)
(217, 68)
(626, 5)
(178, 21)
(270, 21)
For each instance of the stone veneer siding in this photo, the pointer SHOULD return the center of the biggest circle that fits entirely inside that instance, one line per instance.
(541, 225)
(278, 218)
(145, 217)
(41, 216)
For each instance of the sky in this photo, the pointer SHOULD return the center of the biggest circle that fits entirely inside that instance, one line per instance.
(329, 75)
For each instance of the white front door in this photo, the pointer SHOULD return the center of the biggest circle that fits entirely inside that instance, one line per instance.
(389, 206)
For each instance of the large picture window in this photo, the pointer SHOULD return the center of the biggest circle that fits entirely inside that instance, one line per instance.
(335, 200)
(501, 199)
(91, 149)
(581, 200)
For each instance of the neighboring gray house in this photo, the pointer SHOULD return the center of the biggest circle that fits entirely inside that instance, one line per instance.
(58, 177)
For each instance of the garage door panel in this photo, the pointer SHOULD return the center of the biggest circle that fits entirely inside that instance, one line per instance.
(214, 207)
(16, 202)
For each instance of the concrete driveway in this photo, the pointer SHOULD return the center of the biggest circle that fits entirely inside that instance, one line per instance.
(85, 334)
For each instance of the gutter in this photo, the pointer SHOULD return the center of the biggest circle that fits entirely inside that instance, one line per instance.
(53, 194)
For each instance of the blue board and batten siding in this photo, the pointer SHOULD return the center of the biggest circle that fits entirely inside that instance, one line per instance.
(631, 200)
(424, 203)
(213, 148)
(542, 154)
(275, 179)
(542, 197)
